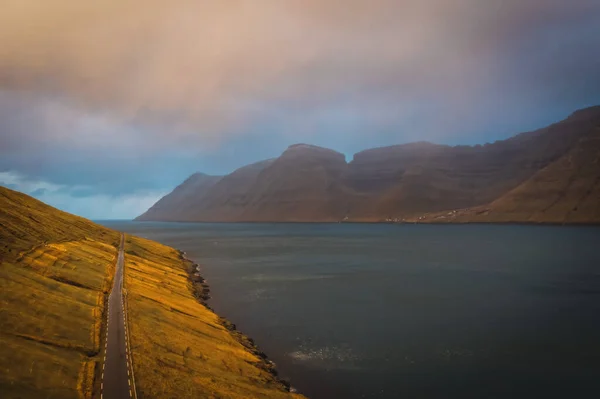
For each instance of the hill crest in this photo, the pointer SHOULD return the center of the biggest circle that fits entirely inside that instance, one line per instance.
(400, 182)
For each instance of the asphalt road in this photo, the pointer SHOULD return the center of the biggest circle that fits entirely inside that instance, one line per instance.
(117, 381)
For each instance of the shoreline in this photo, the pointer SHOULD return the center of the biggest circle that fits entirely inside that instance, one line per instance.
(201, 291)
(452, 223)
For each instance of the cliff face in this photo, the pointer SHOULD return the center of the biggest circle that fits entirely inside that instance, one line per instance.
(302, 184)
(419, 178)
(564, 191)
(308, 183)
(177, 205)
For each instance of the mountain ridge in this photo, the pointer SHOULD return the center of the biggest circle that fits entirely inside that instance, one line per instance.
(308, 183)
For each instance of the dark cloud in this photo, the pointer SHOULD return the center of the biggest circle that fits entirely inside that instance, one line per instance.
(131, 97)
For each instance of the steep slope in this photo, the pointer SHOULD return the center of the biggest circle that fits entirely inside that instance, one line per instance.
(229, 196)
(565, 191)
(416, 178)
(183, 199)
(180, 348)
(56, 270)
(303, 184)
(308, 183)
(27, 222)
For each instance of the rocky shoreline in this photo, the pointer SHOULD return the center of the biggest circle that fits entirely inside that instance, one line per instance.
(201, 292)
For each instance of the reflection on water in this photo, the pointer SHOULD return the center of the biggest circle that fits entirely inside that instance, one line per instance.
(334, 357)
(263, 278)
(388, 311)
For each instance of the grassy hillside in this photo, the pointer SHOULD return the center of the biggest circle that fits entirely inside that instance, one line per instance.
(26, 221)
(55, 272)
(55, 269)
(180, 348)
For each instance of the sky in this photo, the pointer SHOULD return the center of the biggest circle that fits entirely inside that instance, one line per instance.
(105, 106)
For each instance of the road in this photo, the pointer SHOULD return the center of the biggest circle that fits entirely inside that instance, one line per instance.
(117, 376)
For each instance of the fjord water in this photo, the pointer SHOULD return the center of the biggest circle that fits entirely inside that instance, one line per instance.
(408, 311)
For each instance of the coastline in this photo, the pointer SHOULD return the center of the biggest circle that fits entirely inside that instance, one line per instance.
(361, 222)
(201, 291)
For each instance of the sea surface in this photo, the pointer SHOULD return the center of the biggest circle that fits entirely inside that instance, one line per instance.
(408, 311)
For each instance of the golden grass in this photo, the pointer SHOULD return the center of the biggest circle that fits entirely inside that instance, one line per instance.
(30, 369)
(26, 222)
(85, 382)
(53, 300)
(180, 349)
(54, 272)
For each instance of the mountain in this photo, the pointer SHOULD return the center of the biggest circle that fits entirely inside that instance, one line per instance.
(184, 197)
(299, 185)
(564, 191)
(56, 271)
(417, 182)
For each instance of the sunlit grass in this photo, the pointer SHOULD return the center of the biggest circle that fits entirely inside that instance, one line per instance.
(55, 269)
(52, 304)
(180, 349)
(55, 272)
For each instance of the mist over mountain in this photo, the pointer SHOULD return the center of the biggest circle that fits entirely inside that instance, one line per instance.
(547, 175)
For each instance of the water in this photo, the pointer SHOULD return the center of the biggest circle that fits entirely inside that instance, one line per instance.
(408, 311)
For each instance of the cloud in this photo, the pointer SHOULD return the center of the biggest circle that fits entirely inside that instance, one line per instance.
(209, 69)
(133, 96)
(12, 179)
(82, 200)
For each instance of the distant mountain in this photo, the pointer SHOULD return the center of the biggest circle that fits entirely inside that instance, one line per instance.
(186, 196)
(228, 198)
(548, 175)
(565, 191)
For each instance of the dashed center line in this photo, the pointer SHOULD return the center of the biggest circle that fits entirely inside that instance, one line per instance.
(112, 383)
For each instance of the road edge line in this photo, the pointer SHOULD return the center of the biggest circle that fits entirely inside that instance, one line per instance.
(127, 334)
